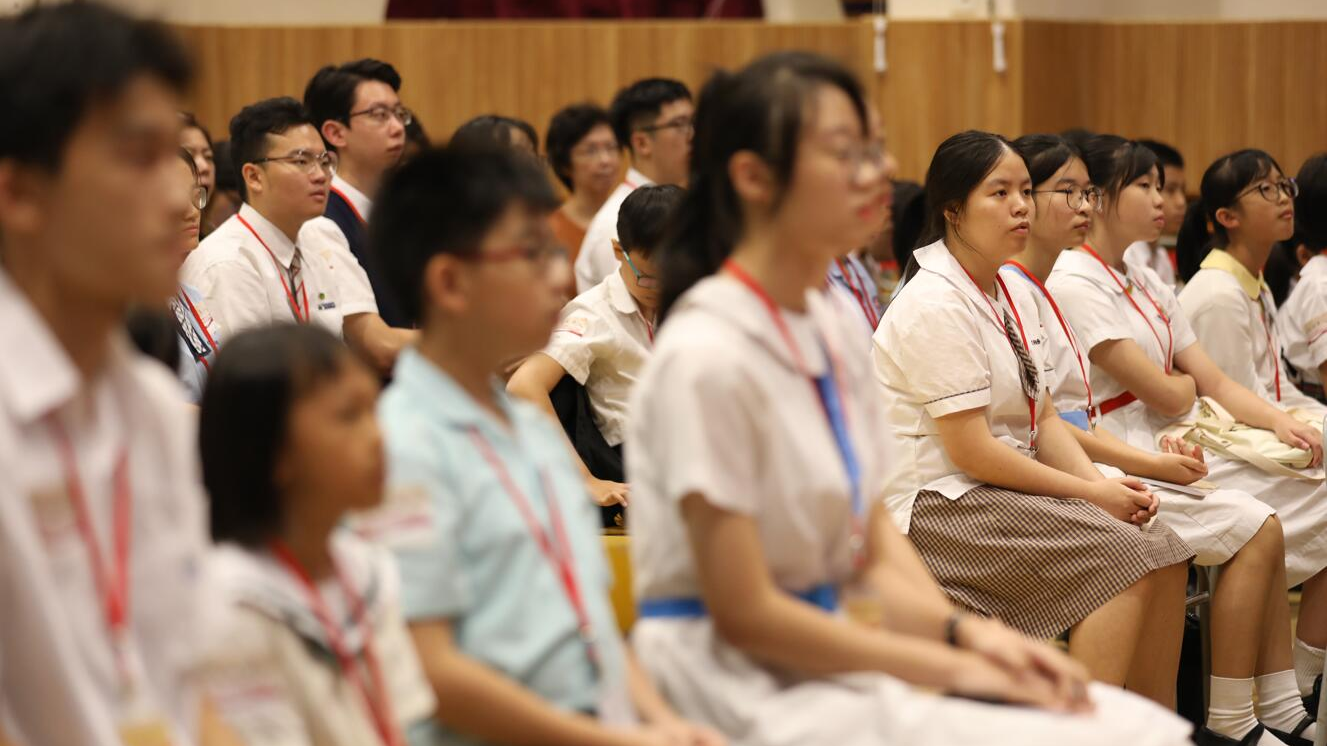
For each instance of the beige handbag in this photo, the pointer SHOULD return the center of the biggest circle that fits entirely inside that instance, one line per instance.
(1217, 431)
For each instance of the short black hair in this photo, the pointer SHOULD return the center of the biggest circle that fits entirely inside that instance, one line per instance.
(57, 61)
(646, 216)
(243, 422)
(330, 93)
(228, 179)
(444, 201)
(249, 129)
(1166, 155)
(565, 130)
(1311, 204)
(638, 104)
(487, 130)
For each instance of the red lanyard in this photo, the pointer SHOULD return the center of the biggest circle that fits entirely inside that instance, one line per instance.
(1169, 347)
(649, 328)
(858, 292)
(197, 317)
(281, 274)
(1073, 343)
(349, 204)
(112, 582)
(556, 549)
(1271, 348)
(999, 324)
(377, 705)
(835, 412)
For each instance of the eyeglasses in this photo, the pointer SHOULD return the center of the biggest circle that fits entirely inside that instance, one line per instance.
(1268, 189)
(646, 282)
(542, 257)
(855, 157)
(591, 152)
(198, 196)
(1076, 196)
(380, 114)
(309, 163)
(685, 124)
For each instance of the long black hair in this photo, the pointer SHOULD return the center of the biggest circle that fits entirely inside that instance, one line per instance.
(763, 109)
(244, 422)
(1045, 155)
(1311, 204)
(1114, 163)
(1222, 183)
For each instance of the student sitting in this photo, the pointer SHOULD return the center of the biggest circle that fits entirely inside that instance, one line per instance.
(1228, 528)
(313, 649)
(1248, 202)
(991, 487)
(606, 333)
(198, 334)
(1302, 321)
(505, 583)
(1159, 255)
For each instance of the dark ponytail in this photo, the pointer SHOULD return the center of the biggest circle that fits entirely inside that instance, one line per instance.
(1222, 183)
(761, 108)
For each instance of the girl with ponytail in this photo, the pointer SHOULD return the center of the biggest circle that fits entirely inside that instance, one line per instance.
(758, 472)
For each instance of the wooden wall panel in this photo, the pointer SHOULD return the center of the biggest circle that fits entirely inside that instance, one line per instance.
(1206, 88)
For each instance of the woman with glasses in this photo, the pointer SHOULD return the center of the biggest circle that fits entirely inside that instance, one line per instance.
(1148, 366)
(604, 338)
(587, 158)
(199, 335)
(1226, 528)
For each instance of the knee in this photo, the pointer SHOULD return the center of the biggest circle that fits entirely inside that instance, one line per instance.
(1269, 541)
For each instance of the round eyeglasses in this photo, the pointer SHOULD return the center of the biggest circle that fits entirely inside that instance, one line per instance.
(1269, 189)
(1076, 196)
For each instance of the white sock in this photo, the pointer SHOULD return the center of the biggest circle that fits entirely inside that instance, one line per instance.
(1230, 711)
(1308, 666)
(1279, 703)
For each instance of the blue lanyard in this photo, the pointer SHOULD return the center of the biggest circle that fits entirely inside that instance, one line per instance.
(832, 403)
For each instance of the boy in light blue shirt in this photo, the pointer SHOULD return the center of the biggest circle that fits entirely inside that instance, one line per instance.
(504, 580)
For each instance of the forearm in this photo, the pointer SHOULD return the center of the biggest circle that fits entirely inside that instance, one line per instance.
(541, 398)
(1244, 405)
(1102, 447)
(650, 705)
(378, 344)
(913, 601)
(1058, 449)
(990, 461)
(477, 701)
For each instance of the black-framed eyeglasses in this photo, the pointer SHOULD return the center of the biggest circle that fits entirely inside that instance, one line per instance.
(647, 282)
(686, 125)
(198, 196)
(309, 163)
(1269, 189)
(1076, 196)
(380, 114)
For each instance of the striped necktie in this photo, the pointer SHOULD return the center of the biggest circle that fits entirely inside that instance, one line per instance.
(1027, 368)
(296, 282)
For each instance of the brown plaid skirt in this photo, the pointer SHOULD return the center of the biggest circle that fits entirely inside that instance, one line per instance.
(1040, 564)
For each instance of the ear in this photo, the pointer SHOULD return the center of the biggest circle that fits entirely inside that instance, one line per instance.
(446, 285)
(1227, 218)
(21, 189)
(334, 133)
(751, 178)
(642, 144)
(253, 178)
(618, 253)
(951, 216)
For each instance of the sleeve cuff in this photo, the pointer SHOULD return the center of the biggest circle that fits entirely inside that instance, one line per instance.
(959, 402)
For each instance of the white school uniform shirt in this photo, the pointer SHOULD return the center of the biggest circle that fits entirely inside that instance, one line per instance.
(1098, 311)
(722, 410)
(353, 284)
(245, 286)
(603, 341)
(1234, 317)
(596, 260)
(1157, 260)
(939, 351)
(58, 680)
(1066, 373)
(1302, 321)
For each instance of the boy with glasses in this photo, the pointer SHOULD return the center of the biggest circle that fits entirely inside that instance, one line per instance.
(357, 109)
(604, 338)
(263, 265)
(652, 117)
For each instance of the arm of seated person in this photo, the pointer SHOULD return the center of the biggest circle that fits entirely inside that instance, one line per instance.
(1246, 406)
(754, 615)
(968, 441)
(1179, 464)
(659, 715)
(1169, 394)
(376, 342)
(480, 702)
(534, 381)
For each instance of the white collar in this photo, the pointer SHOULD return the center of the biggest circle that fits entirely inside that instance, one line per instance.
(936, 258)
(619, 297)
(357, 199)
(276, 241)
(47, 378)
(635, 179)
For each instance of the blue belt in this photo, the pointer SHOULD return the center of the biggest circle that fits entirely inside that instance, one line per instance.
(825, 596)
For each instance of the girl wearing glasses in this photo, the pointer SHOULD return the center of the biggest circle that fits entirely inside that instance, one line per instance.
(604, 339)
(199, 334)
(1148, 366)
(1227, 528)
